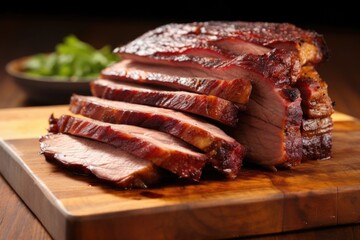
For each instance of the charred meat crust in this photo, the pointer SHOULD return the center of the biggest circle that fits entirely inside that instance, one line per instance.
(317, 147)
(317, 138)
(316, 126)
(279, 65)
(179, 38)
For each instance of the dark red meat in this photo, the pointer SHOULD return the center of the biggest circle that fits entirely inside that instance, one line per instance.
(212, 107)
(273, 106)
(224, 152)
(280, 66)
(274, 111)
(191, 80)
(102, 160)
(157, 147)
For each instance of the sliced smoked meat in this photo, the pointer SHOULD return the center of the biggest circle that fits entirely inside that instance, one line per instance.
(157, 147)
(104, 161)
(212, 107)
(191, 80)
(224, 152)
(270, 127)
(279, 65)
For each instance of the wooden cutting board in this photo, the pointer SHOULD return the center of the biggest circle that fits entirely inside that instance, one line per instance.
(314, 194)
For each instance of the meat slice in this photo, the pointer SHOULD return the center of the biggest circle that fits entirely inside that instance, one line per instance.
(157, 147)
(316, 102)
(212, 107)
(224, 152)
(279, 65)
(224, 40)
(106, 162)
(235, 90)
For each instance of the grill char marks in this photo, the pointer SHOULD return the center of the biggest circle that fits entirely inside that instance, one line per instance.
(212, 107)
(224, 152)
(102, 160)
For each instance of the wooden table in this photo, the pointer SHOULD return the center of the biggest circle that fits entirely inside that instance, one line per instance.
(25, 37)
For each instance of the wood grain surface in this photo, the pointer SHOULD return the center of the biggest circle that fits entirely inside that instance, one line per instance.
(315, 194)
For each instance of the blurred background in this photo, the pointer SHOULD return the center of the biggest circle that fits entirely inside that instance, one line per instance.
(31, 28)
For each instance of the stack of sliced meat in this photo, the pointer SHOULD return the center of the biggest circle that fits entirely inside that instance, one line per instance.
(182, 86)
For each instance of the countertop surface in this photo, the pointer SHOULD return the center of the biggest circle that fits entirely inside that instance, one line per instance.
(21, 37)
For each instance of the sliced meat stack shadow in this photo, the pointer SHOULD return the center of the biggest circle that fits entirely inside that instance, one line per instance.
(226, 88)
